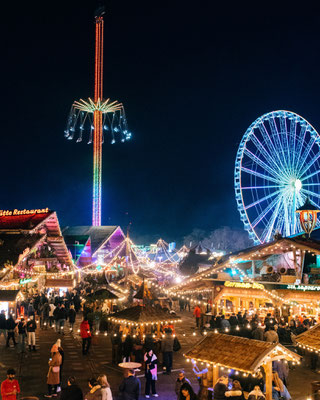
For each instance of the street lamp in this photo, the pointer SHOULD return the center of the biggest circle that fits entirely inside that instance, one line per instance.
(308, 216)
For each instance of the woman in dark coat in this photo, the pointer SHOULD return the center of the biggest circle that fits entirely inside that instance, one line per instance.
(72, 317)
(127, 347)
(151, 371)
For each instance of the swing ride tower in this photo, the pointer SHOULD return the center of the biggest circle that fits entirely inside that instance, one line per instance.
(101, 116)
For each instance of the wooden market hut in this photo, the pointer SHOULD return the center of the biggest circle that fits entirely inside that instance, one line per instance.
(102, 295)
(240, 354)
(144, 316)
(310, 339)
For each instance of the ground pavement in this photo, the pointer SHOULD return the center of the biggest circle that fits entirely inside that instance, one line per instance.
(32, 367)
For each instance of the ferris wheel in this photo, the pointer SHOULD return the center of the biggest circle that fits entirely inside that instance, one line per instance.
(277, 167)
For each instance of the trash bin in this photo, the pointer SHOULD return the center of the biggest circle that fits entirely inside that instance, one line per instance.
(315, 390)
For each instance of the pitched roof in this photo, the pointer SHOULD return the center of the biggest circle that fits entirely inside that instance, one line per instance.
(33, 223)
(8, 295)
(143, 315)
(12, 245)
(250, 354)
(310, 338)
(104, 293)
(22, 222)
(97, 234)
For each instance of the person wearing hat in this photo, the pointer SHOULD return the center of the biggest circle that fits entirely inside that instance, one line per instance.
(10, 387)
(53, 377)
(61, 351)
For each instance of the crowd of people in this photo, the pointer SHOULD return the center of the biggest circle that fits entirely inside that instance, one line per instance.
(267, 327)
(152, 351)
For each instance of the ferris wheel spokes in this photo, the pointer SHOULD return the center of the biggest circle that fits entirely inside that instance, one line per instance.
(277, 166)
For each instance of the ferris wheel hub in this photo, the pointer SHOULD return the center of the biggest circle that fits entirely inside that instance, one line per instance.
(298, 185)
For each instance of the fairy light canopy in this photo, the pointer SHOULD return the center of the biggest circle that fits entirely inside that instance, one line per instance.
(143, 316)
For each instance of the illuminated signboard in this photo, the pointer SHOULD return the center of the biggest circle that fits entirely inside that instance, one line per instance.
(5, 213)
(303, 287)
(244, 285)
(24, 281)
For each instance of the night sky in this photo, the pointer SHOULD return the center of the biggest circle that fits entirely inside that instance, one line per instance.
(192, 77)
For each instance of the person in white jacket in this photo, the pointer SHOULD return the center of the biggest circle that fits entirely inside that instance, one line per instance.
(105, 387)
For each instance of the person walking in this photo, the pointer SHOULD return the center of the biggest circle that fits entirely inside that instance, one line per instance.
(31, 330)
(105, 387)
(130, 387)
(167, 350)
(10, 387)
(22, 331)
(61, 317)
(197, 314)
(53, 378)
(61, 351)
(3, 330)
(10, 326)
(95, 390)
(72, 317)
(151, 371)
(85, 334)
(51, 314)
(179, 382)
(46, 310)
(72, 391)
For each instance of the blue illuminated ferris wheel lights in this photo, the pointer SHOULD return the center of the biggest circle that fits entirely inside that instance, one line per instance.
(277, 166)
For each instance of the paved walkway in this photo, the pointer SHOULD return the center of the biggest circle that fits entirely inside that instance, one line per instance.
(32, 367)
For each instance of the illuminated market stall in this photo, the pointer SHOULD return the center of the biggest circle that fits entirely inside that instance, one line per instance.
(217, 352)
(144, 319)
(32, 249)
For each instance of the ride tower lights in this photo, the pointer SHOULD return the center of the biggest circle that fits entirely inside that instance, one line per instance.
(101, 115)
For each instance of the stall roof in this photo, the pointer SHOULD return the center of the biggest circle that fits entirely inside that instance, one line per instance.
(144, 314)
(310, 338)
(8, 295)
(105, 293)
(97, 234)
(220, 349)
(259, 252)
(60, 283)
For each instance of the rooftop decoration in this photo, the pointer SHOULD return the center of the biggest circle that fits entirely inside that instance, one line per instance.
(308, 216)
